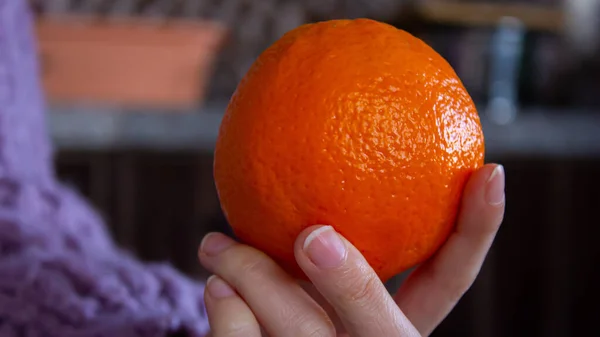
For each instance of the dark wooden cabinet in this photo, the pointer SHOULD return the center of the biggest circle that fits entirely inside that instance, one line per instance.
(540, 279)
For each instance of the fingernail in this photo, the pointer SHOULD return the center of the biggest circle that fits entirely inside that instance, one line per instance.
(214, 243)
(494, 193)
(325, 248)
(218, 288)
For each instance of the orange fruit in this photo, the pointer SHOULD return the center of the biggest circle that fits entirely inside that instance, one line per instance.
(354, 124)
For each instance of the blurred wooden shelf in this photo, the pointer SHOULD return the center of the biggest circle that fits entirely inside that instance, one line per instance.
(83, 128)
(534, 17)
(546, 133)
(538, 132)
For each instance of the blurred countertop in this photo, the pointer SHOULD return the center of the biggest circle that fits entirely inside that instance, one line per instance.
(535, 132)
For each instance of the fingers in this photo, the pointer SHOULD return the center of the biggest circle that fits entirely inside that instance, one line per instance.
(432, 291)
(345, 279)
(228, 314)
(279, 304)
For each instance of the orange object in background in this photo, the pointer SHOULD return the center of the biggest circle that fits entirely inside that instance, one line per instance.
(354, 124)
(129, 62)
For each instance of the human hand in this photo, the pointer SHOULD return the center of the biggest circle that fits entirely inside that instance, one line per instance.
(250, 294)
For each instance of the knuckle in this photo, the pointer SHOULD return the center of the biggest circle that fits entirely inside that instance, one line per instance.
(362, 290)
(242, 266)
(321, 331)
(306, 323)
(237, 329)
(252, 268)
(310, 327)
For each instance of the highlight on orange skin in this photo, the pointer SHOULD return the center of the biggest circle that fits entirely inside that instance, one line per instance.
(353, 124)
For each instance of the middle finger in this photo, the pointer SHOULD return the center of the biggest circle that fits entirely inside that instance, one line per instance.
(281, 306)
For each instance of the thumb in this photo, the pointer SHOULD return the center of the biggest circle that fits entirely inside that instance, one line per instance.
(344, 278)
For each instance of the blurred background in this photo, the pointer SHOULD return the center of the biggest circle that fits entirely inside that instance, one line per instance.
(136, 90)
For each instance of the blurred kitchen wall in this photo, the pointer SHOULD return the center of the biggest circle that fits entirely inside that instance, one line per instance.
(142, 150)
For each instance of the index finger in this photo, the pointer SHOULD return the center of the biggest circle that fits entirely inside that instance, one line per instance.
(433, 289)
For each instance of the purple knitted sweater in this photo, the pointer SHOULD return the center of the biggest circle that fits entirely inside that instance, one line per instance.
(60, 273)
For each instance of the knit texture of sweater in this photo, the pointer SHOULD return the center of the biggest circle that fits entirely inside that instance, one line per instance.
(60, 272)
